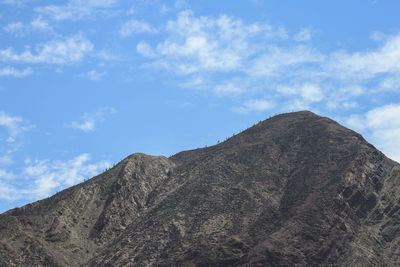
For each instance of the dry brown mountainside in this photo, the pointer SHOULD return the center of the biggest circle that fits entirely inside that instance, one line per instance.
(294, 190)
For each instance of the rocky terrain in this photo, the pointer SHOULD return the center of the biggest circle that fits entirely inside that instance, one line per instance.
(294, 190)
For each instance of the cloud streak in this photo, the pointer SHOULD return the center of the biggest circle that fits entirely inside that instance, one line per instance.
(89, 120)
(13, 124)
(19, 29)
(44, 177)
(382, 126)
(11, 71)
(258, 105)
(76, 9)
(136, 27)
(93, 75)
(203, 50)
(11, 127)
(64, 51)
(207, 44)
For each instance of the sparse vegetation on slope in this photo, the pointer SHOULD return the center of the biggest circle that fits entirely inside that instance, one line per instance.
(294, 190)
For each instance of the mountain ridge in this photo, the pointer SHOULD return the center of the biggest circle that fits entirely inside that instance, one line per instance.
(296, 189)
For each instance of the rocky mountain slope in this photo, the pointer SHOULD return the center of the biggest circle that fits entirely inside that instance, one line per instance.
(294, 190)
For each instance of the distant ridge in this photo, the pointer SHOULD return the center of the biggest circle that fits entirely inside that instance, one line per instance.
(294, 190)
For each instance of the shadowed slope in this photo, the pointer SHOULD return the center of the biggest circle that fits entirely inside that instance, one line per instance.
(70, 227)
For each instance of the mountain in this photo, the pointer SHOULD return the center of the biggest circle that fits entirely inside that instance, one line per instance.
(294, 190)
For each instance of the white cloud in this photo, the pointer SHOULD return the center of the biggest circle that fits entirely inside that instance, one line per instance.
(19, 29)
(311, 93)
(65, 51)
(93, 75)
(276, 60)
(5, 174)
(11, 71)
(350, 105)
(391, 83)
(382, 126)
(180, 4)
(50, 175)
(378, 36)
(76, 9)
(186, 104)
(366, 65)
(6, 159)
(40, 24)
(135, 26)
(8, 193)
(88, 121)
(261, 58)
(198, 44)
(14, 125)
(14, 27)
(11, 127)
(131, 11)
(13, 2)
(195, 83)
(44, 177)
(227, 89)
(145, 50)
(164, 9)
(303, 35)
(255, 105)
(87, 125)
(107, 55)
(308, 92)
(207, 48)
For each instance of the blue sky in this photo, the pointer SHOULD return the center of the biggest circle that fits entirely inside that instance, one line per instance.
(83, 84)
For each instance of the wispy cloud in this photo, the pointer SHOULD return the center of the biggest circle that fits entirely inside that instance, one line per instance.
(108, 55)
(274, 61)
(20, 29)
(13, 124)
(262, 60)
(208, 44)
(93, 75)
(136, 26)
(204, 44)
(4, 174)
(76, 9)
(89, 120)
(13, 2)
(63, 51)
(40, 24)
(228, 88)
(180, 4)
(303, 36)
(49, 175)
(366, 65)
(145, 50)
(204, 48)
(11, 71)
(11, 127)
(255, 105)
(14, 27)
(44, 177)
(382, 126)
(8, 192)
(308, 92)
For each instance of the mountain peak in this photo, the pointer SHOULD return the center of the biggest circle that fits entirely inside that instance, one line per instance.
(295, 189)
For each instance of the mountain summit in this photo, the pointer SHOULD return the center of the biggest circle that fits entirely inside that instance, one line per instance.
(294, 190)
